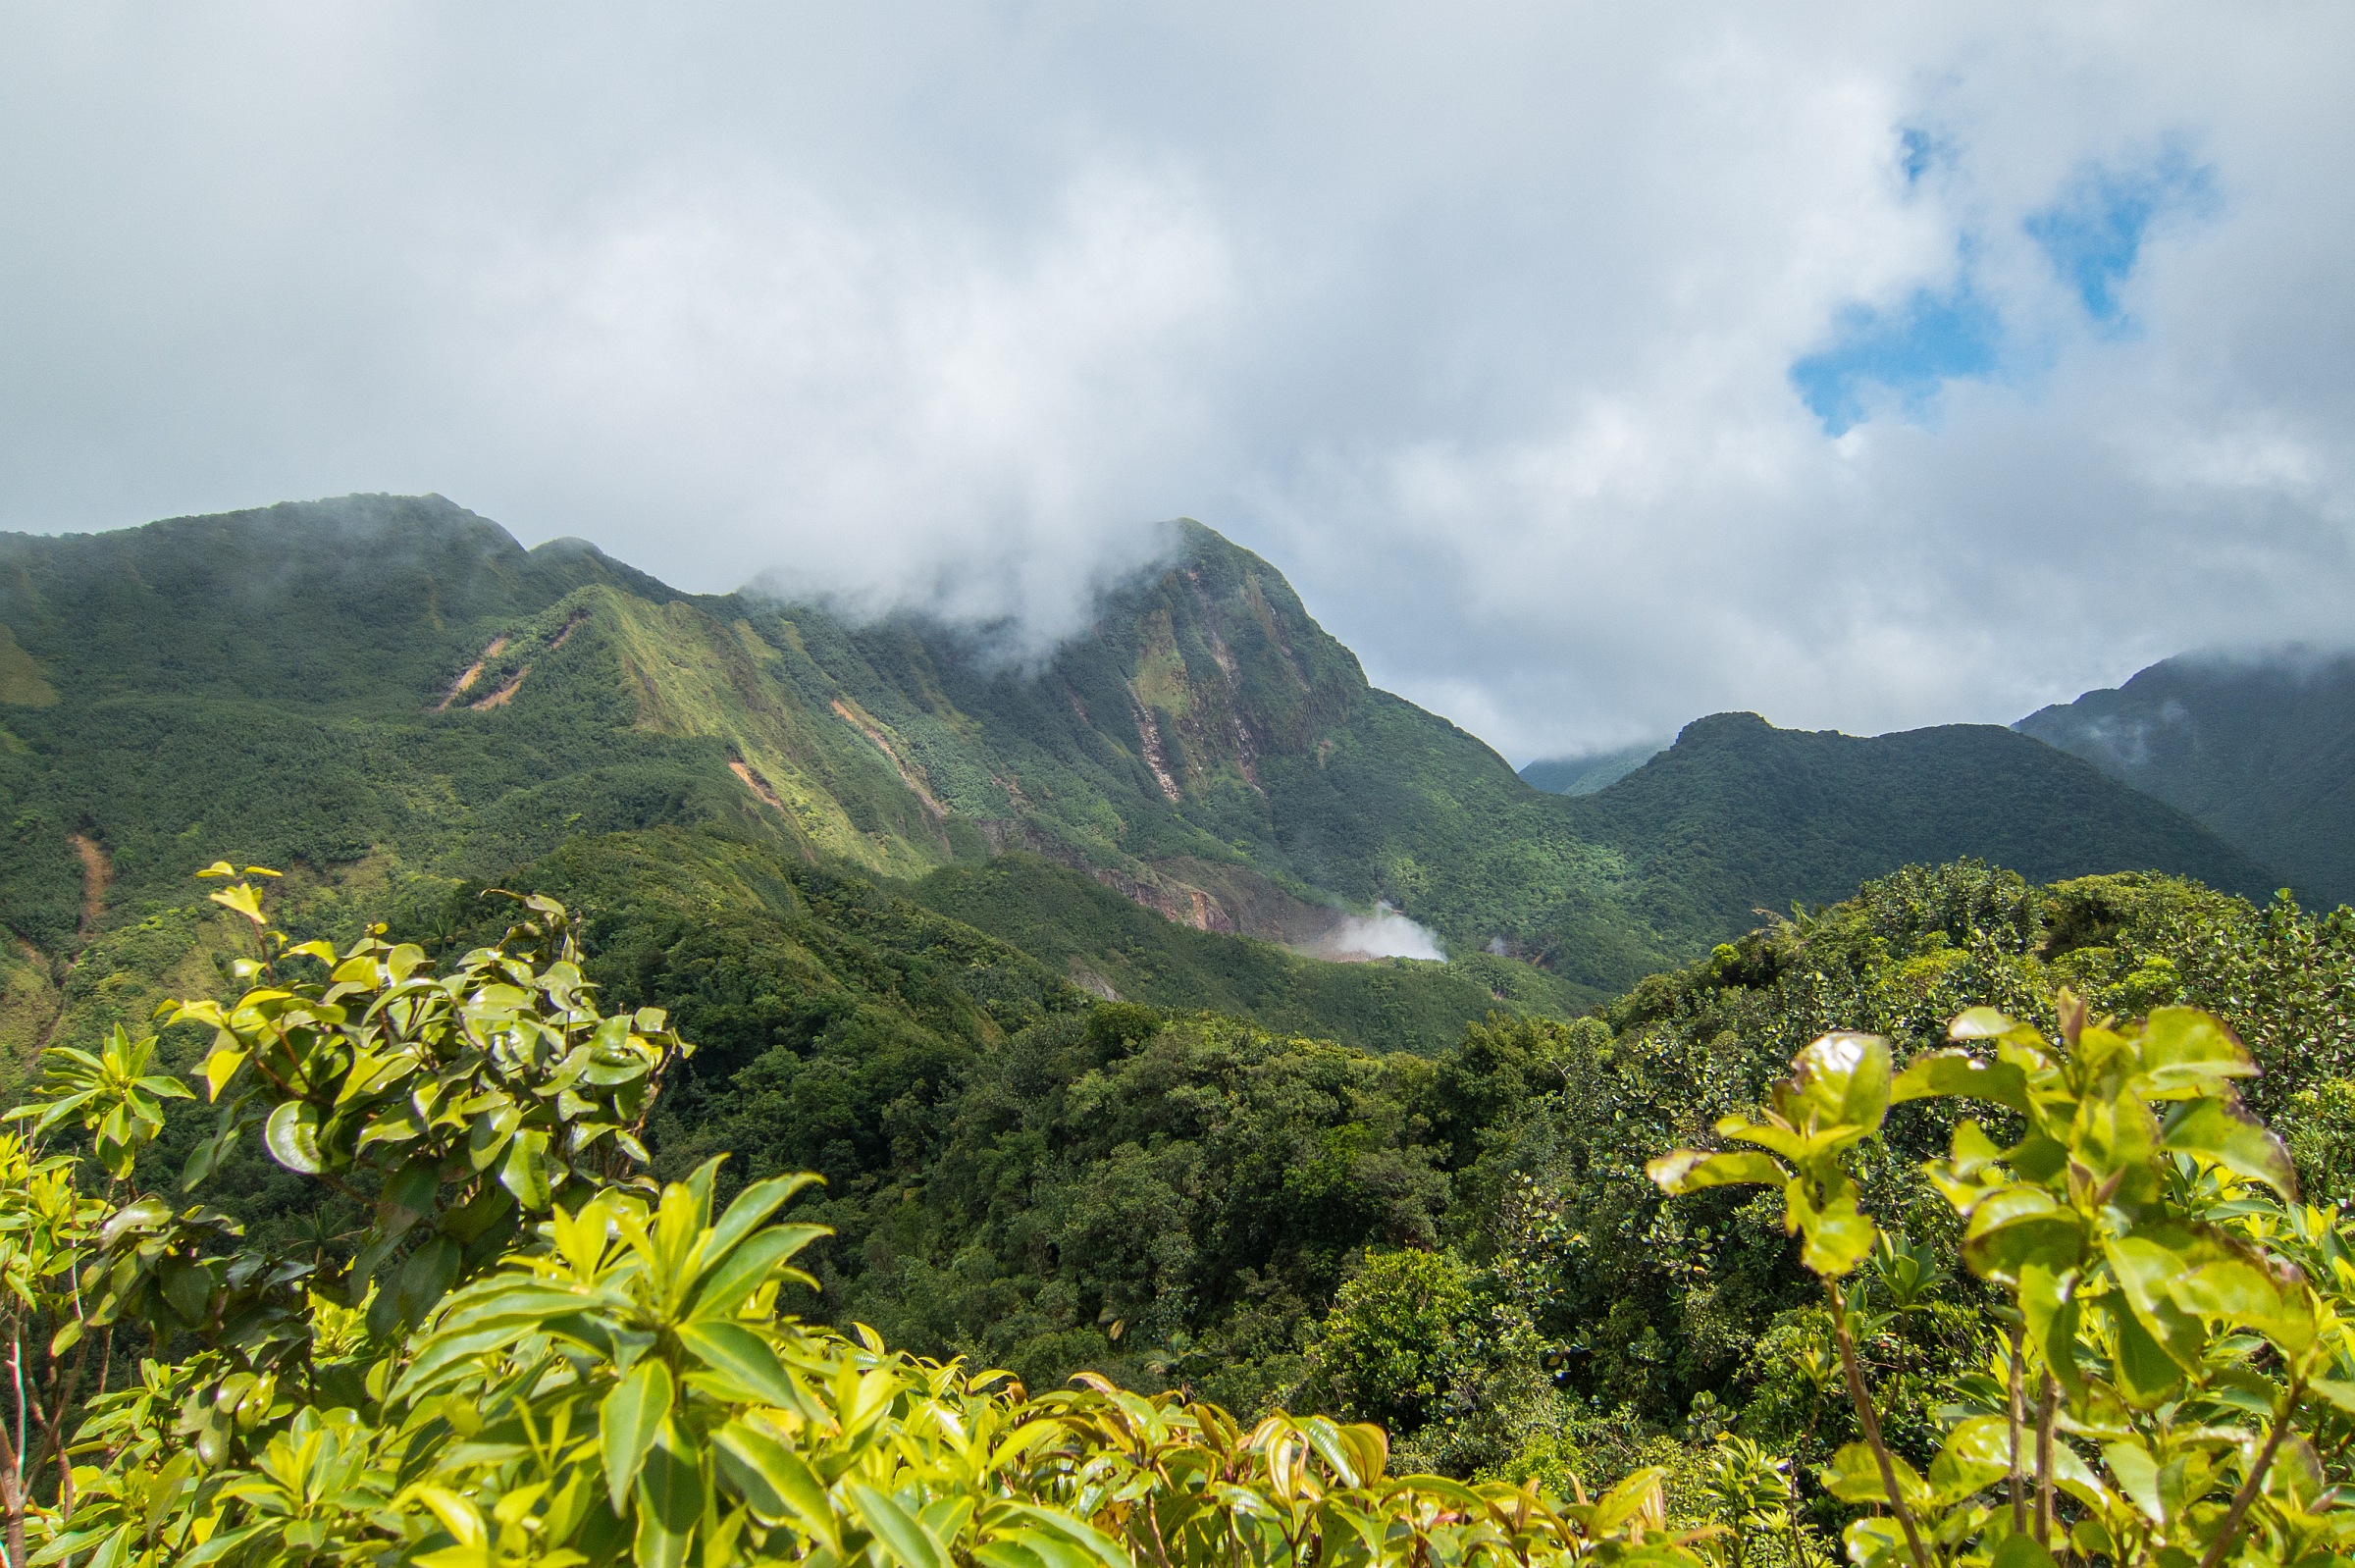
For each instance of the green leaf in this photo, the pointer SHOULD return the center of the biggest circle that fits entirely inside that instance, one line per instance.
(670, 1503)
(293, 1136)
(753, 1205)
(1627, 1498)
(425, 1278)
(1959, 1074)
(902, 1533)
(147, 1214)
(743, 1358)
(1838, 1237)
(189, 1286)
(1975, 1455)
(1691, 1170)
(1843, 1080)
(744, 1271)
(1008, 1551)
(774, 1480)
(243, 900)
(459, 1517)
(2136, 1473)
(524, 1171)
(2223, 1132)
(2146, 1262)
(2234, 1290)
(488, 1135)
(220, 1067)
(2020, 1551)
(628, 1420)
(2048, 1302)
(407, 1198)
(1078, 1532)
(2018, 1226)
(1051, 1551)
(2342, 1394)
(1855, 1476)
(1986, 1024)
(2186, 1051)
(2146, 1374)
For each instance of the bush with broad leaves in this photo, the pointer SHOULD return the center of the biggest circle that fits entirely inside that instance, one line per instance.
(535, 1354)
(2180, 1389)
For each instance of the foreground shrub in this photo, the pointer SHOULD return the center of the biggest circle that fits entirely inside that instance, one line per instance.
(2181, 1372)
(531, 1353)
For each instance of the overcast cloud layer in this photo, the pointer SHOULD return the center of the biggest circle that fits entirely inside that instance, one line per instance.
(1588, 368)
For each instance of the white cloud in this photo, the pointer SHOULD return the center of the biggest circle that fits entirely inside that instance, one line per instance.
(1480, 324)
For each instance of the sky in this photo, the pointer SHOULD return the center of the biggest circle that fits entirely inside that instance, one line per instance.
(1588, 368)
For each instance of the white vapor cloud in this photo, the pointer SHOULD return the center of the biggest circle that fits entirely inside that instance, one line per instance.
(1510, 333)
(1384, 934)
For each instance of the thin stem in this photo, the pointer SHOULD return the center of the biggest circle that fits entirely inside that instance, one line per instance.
(2020, 1500)
(12, 1499)
(2254, 1480)
(52, 1415)
(15, 1368)
(2044, 1404)
(1872, 1423)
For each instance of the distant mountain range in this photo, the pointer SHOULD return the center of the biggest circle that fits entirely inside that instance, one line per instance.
(392, 697)
(2259, 748)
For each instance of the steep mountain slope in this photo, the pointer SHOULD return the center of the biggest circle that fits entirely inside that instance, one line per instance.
(389, 697)
(1739, 817)
(2263, 751)
(392, 697)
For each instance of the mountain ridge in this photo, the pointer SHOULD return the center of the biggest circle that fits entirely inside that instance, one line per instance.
(394, 688)
(2261, 749)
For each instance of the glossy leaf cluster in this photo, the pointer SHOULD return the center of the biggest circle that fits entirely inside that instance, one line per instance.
(2177, 1340)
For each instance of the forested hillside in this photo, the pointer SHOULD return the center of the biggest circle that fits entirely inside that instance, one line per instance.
(2262, 750)
(390, 696)
(1740, 817)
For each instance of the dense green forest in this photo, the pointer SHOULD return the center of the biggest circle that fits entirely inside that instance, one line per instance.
(1176, 1200)
(1023, 1174)
(1464, 1248)
(2261, 748)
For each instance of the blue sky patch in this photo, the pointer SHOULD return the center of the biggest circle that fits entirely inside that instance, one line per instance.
(1910, 351)
(2093, 233)
(1916, 151)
